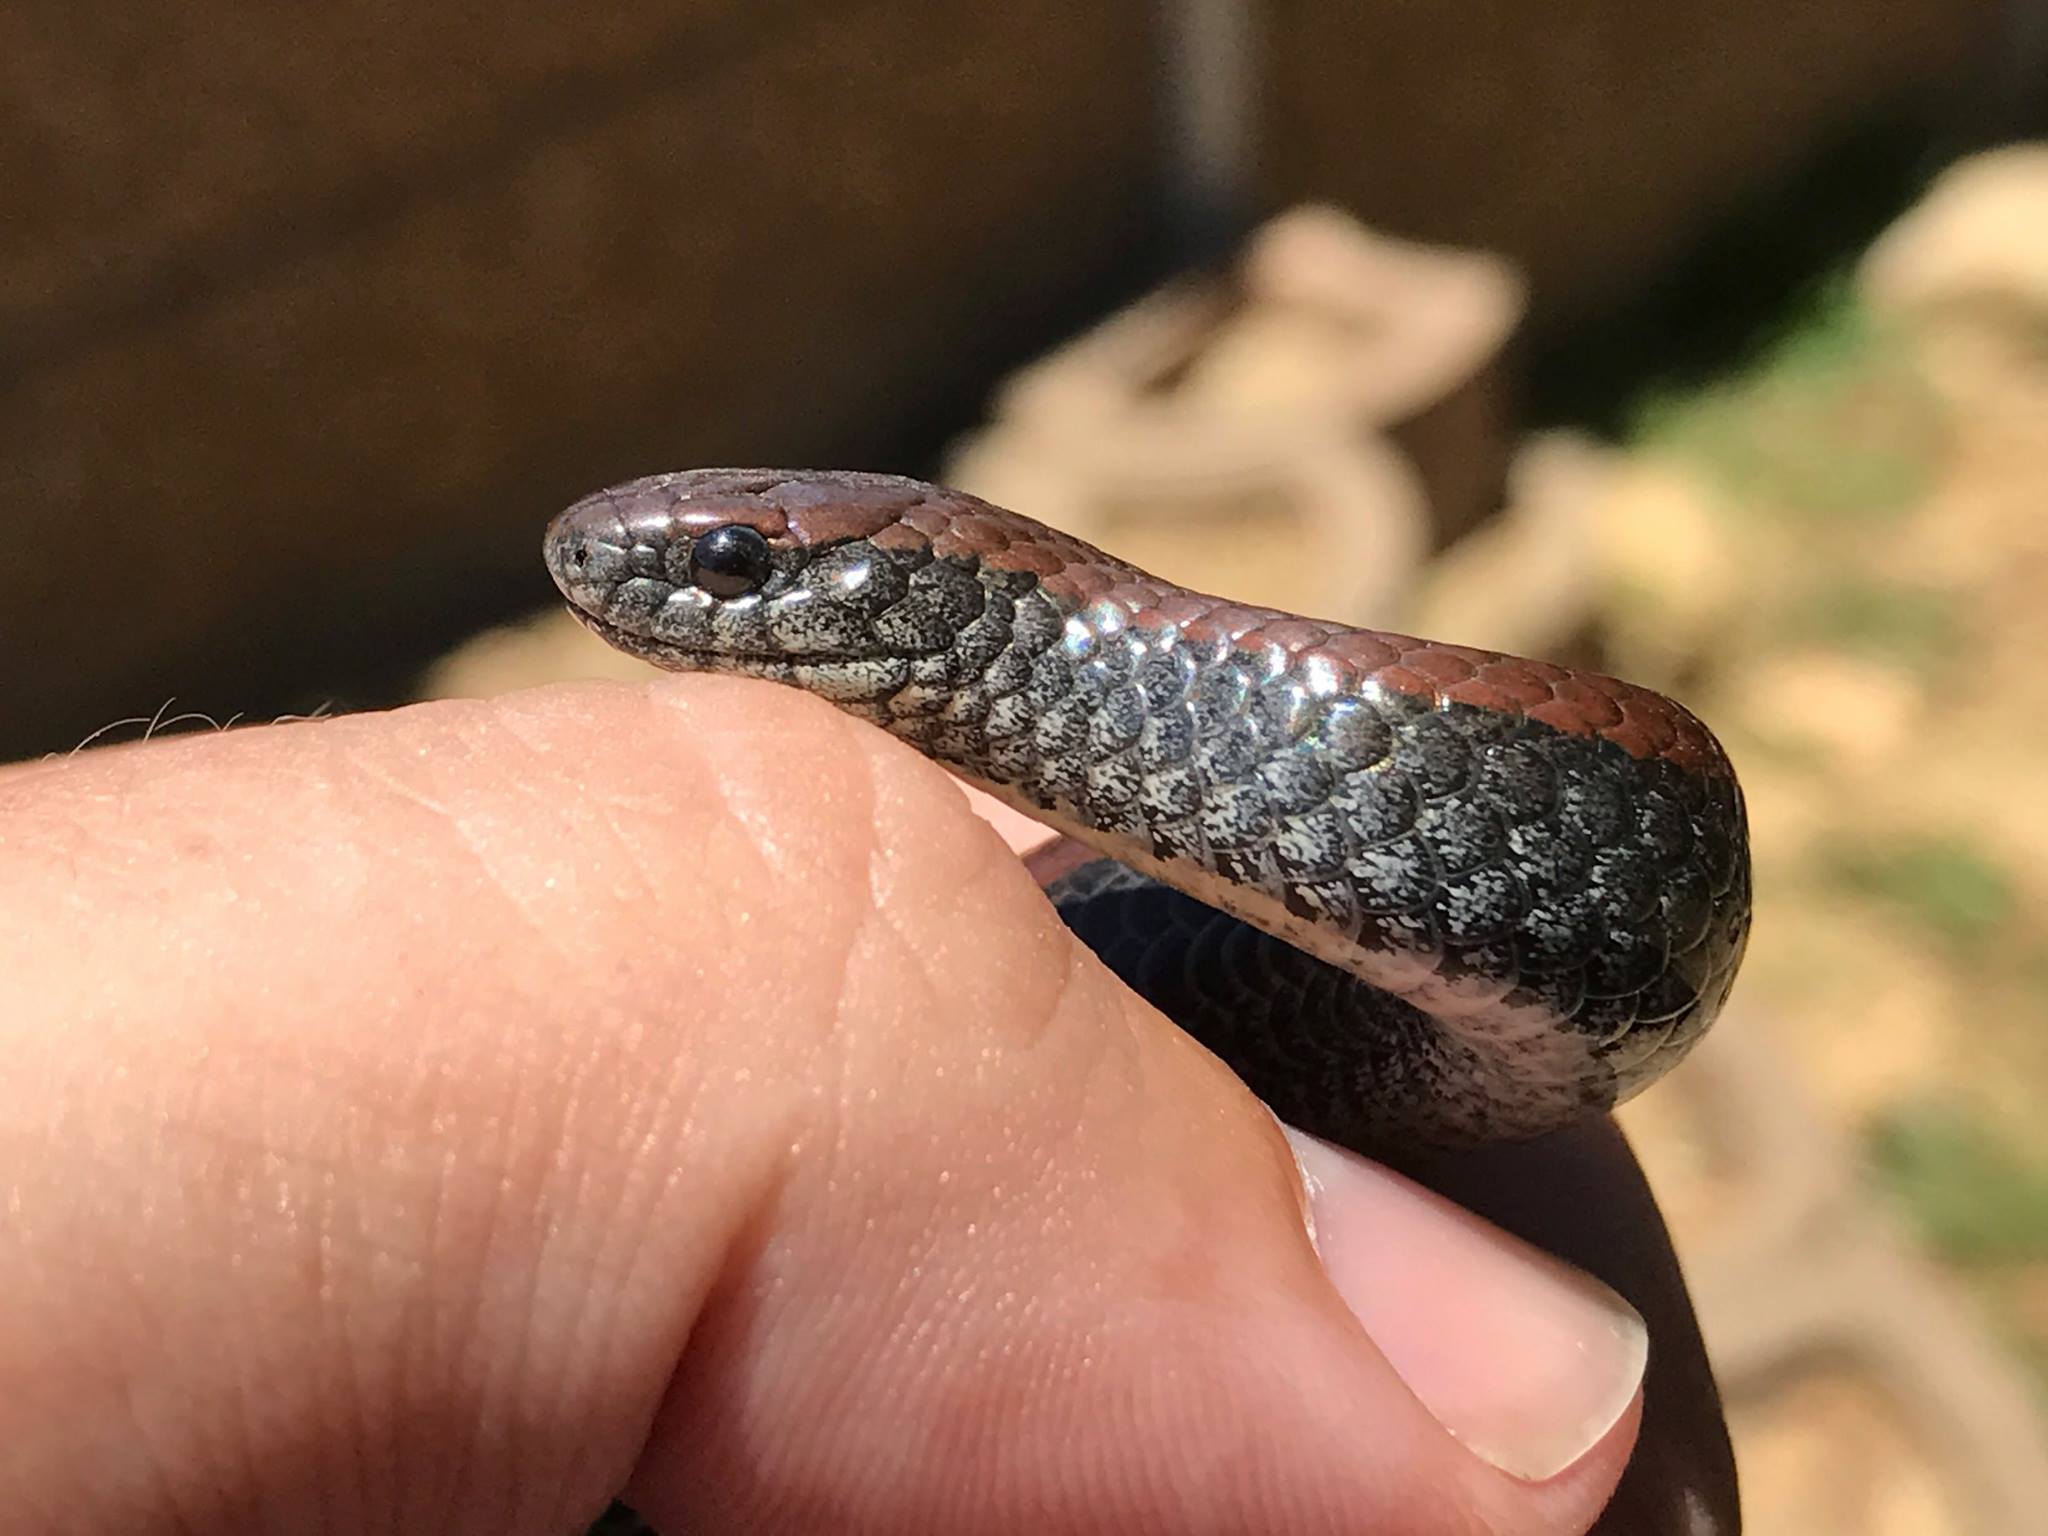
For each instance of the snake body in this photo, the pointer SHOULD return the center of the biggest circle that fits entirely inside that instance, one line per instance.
(1407, 890)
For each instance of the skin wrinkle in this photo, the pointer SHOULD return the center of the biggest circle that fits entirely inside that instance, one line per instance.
(504, 1366)
(622, 1247)
(762, 836)
(193, 1126)
(368, 1247)
(525, 775)
(508, 1368)
(156, 1465)
(567, 1133)
(994, 865)
(839, 947)
(590, 1339)
(1032, 1029)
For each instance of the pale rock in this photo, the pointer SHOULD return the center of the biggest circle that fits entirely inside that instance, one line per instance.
(1861, 714)
(1980, 234)
(1670, 564)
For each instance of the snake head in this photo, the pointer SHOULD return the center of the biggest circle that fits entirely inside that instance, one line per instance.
(829, 581)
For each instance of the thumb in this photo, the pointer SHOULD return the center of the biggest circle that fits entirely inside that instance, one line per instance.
(491, 1106)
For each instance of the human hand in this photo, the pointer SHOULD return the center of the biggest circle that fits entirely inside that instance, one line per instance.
(439, 1121)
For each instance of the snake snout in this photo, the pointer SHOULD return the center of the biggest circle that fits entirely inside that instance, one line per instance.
(587, 554)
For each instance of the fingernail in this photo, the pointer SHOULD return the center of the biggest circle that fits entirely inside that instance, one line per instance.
(1526, 1360)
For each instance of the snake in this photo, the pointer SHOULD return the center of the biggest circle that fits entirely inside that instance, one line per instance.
(1413, 893)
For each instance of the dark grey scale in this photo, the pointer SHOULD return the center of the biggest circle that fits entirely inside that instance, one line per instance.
(1518, 775)
(915, 557)
(1401, 933)
(942, 599)
(1671, 996)
(1351, 736)
(1118, 721)
(1606, 1020)
(1228, 752)
(1008, 759)
(1284, 710)
(1052, 679)
(1381, 803)
(1235, 816)
(1038, 623)
(921, 731)
(1645, 1040)
(1462, 830)
(1688, 907)
(1559, 933)
(1013, 585)
(1167, 737)
(1312, 847)
(1662, 824)
(1060, 778)
(951, 584)
(1063, 729)
(930, 688)
(1304, 1055)
(635, 602)
(1436, 753)
(1593, 806)
(913, 629)
(1626, 883)
(1164, 674)
(1109, 796)
(1398, 709)
(1009, 671)
(1400, 876)
(1690, 790)
(1560, 993)
(853, 682)
(1294, 781)
(809, 629)
(684, 619)
(1627, 964)
(1169, 796)
(861, 577)
(1606, 1016)
(1219, 697)
(978, 645)
(1483, 906)
(956, 743)
(1094, 682)
(1010, 717)
(1727, 868)
(969, 705)
(1117, 654)
(1551, 861)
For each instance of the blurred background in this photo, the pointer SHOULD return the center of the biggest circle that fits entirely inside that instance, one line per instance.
(1706, 342)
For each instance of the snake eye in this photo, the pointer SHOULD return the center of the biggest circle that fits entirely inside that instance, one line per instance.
(730, 561)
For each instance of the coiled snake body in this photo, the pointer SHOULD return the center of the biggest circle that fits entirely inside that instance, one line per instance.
(1409, 891)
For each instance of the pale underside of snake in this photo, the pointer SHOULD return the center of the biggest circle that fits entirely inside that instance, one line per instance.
(1411, 892)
